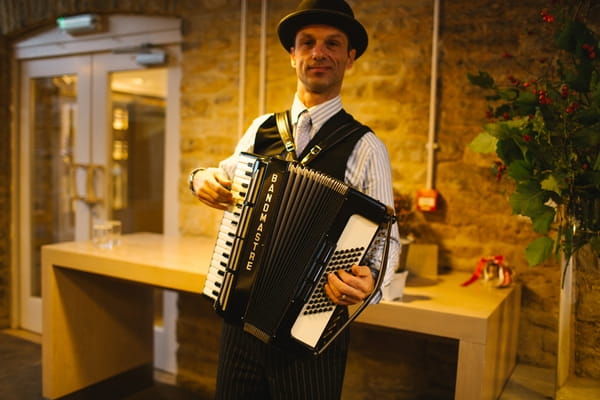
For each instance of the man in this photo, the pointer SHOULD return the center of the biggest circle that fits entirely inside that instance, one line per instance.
(324, 40)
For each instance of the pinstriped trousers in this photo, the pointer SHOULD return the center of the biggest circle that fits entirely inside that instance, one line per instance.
(252, 370)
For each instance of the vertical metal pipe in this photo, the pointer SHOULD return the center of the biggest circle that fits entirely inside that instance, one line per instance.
(242, 72)
(431, 142)
(262, 71)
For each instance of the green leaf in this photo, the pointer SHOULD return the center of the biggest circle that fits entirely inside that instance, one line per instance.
(510, 94)
(589, 178)
(588, 116)
(574, 34)
(483, 79)
(528, 199)
(566, 39)
(543, 221)
(587, 137)
(551, 184)
(526, 104)
(508, 151)
(596, 166)
(539, 250)
(526, 205)
(581, 77)
(519, 170)
(495, 129)
(527, 97)
(484, 143)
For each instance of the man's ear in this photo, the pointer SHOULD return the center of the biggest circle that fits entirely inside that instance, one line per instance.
(292, 57)
(351, 58)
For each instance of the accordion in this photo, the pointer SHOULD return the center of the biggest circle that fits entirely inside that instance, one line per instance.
(288, 228)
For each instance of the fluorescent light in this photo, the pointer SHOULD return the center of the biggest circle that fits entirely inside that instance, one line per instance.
(79, 24)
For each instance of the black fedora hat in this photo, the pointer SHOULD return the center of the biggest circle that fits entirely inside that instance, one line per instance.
(335, 13)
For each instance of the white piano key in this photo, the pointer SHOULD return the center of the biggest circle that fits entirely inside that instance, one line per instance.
(227, 235)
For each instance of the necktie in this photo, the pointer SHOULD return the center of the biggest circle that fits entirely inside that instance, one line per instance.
(303, 128)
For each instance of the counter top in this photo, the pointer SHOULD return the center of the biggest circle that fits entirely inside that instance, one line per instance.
(177, 263)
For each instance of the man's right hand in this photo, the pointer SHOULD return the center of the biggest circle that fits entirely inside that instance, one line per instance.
(213, 188)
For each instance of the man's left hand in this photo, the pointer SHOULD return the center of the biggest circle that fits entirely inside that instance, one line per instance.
(346, 289)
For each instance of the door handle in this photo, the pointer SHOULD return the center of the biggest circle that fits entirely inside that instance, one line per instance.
(92, 172)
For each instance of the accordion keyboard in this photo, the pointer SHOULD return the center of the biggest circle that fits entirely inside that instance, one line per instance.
(318, 310)
(341, 260)
(229, 224)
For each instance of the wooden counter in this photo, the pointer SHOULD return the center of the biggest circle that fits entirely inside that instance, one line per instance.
(98, 314)
(483, 319)
(98, 306)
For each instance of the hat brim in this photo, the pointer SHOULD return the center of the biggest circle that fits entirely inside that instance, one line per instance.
(292, 23)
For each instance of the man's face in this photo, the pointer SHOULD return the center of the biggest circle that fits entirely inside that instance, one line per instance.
(321, 56)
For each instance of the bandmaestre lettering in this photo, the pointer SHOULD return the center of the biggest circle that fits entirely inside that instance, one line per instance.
(264, 216)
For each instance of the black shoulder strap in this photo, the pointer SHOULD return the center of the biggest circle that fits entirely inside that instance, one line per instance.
(284, 126)
(331, 141)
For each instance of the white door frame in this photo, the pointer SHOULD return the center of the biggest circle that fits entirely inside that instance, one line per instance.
(43, 68)
(124, 31)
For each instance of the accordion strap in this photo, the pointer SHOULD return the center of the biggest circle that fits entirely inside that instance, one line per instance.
(284, 126)
(329, 142)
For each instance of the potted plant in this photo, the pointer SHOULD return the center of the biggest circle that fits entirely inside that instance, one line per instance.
(545, 130)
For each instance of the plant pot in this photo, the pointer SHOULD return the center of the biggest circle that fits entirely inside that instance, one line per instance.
(395, 289)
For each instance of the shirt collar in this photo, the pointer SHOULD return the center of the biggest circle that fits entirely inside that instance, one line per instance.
(319, 113)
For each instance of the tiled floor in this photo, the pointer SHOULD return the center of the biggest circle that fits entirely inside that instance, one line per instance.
(526, 383)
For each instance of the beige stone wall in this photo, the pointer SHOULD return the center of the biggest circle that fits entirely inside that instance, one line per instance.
(587, 315)
(389, 90)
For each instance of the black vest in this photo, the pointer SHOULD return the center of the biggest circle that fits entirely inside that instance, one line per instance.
(333, 159)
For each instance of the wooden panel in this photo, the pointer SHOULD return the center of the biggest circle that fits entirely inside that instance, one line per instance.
(94, 328)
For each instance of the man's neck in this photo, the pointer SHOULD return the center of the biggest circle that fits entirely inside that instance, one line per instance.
(311, 99)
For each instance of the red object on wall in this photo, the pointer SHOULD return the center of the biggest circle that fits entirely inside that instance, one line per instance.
(427, 200)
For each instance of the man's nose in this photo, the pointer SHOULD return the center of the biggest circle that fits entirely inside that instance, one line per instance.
(318, 50)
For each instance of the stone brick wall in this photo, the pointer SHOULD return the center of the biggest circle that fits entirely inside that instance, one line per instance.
(388, 89)
(587, 315)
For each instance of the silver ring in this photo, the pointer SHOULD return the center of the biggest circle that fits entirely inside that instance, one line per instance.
(343, 297)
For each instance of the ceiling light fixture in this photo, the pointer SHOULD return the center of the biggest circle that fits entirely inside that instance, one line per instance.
(80, 24)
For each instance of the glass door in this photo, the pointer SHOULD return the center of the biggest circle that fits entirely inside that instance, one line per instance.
(138, 112)
(53, 140)
(92, 147)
